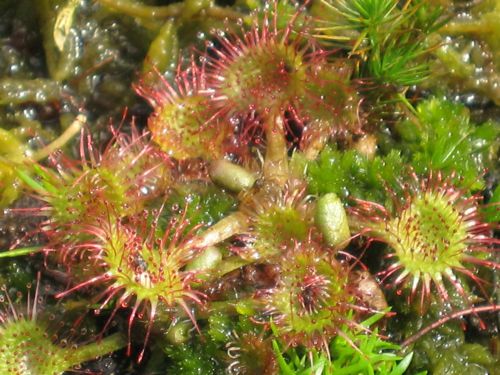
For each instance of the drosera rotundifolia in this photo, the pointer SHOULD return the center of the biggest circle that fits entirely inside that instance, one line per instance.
(264, 187)
(32, 341)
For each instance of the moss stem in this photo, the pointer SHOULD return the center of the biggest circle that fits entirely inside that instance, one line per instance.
(69, 133)
(158, 12)
(143, 11)
(226, 266)
(20, 252)
(220, 231)
(225, 13)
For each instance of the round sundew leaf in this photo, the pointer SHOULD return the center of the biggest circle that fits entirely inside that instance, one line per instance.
(435, 235)
(182, 129)
(330, 98)
(263, 77)
(310, 302)
(26, 349)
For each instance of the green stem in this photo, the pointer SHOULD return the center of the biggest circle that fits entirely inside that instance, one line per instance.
(20, 91)
(405, 101)
(69, 133)
(143, 11)
(222, 230)
(173, 10)
(472, 27)
(32, 183)
(20, 252)
(97, 349)
(225, 13)
(276, 160)
(226, 266)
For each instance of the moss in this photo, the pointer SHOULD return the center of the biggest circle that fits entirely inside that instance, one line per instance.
(205, 204)
(491, 211)
(280, 115)
(350, 174)
(469, 58)
(448, 354)
(193, 358)
(443, 138)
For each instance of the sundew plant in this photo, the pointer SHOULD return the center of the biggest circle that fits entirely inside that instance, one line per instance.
(249, 187)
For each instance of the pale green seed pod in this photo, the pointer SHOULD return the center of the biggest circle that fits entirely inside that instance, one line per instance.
(231, 176)
(331, 220)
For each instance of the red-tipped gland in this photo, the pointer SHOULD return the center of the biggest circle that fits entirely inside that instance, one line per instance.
(276, 73)
(137, 265)
(127, 173)
(436, 236)
(329, 107)
(144, 169)
(262, 71)
(276, 218)
(29, 342)
(183, 123)
(25, 346)
(311, 301)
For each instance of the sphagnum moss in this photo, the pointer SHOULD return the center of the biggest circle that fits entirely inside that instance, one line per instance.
(286, 115)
